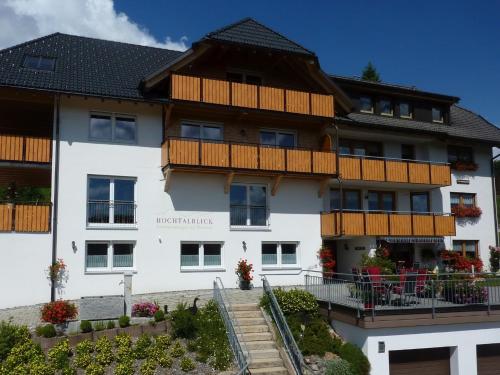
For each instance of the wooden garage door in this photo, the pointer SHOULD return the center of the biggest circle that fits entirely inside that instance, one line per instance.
(488, 359)
(435, 361)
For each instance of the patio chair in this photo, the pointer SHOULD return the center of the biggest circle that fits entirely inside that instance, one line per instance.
(422, 277)
(407, 287)
(376, 284)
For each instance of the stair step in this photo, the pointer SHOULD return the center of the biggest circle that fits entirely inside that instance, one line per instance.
(265, 362)
(259, 336)
(250, 321)
(248, 314)
(251, 345)
(245, 307)
(256, 328)
(280, 370)
(264, 353)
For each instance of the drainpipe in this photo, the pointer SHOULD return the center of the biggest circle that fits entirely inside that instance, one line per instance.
(57, 103)
(495, 209)
(341, 195)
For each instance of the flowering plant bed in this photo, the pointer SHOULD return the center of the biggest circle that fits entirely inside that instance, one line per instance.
(462, 211)
(464, 166)
(464, 292)
(494, 258)
(58, 312)
(145, 309)
(459, 263)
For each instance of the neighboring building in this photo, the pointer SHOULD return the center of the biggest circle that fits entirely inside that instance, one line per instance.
(175, 165)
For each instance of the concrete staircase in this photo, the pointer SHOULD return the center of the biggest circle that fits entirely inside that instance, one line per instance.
(258, 340)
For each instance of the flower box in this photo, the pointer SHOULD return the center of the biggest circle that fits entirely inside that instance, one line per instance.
(463, 166)
(462, 211)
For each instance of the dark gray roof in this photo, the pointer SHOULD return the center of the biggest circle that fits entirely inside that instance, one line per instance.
(84, 66)
(250, 32)
(464, 124)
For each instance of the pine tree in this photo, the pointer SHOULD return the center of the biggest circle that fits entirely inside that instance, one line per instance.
(370, 73)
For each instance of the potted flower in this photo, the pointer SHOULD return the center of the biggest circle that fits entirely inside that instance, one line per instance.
(244, 272)
(56, 271)
(494, 259)
(327, 260)
(460, 165)
(58, 313)
(461, 211)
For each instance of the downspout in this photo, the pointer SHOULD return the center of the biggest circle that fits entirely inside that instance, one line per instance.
(495, 209)
(55, 205)
(341, 195)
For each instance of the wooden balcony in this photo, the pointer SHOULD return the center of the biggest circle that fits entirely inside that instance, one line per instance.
(182, 153)
(20, 148)
(205, 90)
(394, 170)
(25, 217)
(358, 223)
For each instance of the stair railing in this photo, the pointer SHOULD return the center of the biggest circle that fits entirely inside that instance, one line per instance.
(241, 354)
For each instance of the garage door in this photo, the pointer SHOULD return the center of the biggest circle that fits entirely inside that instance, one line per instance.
(488, 359)
(435, 361)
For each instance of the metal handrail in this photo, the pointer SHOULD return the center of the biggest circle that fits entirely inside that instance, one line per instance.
(291, 346)
(232, 327)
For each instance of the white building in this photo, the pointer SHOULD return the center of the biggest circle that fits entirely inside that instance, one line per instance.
(176, 165)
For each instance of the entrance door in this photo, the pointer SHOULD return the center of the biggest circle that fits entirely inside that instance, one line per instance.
(435, 361)
(488, 359)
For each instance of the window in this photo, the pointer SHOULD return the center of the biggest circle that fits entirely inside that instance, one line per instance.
(352, 200)
(385, 107)
(381, 201)
(420, 202)
(405, 110)
(110, 201)
(366, 104)
(362, 148)
(248, 205)
(468, 248)
(463, 199)
(279, 254)
(39, 63)
(201, 255)
(201, 131)
(250, 79)
(408, 152)
(277, 138)
(107, 127)
(437, 115)
(459, 153)
(109, 256)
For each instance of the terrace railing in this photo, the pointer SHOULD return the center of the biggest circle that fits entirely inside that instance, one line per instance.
(34, 149)
(28, 217)
(111, 212)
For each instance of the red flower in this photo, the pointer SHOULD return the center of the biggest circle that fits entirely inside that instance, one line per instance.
(244, 270)
(464, 166)
(462, 211)
(58, 312)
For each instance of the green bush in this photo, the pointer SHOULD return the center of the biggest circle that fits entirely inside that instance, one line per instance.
(58, 355)
(183, 322)
(352, 354)
(316, 338)
(40, 367)
(124, 321)
(104, 351)
(148, 367)
(159, 316)
(164, 360)
(125, 368)
(99, 326)
(141, 346)
(338, 366)
(110, 324)
(47, 330)
(20, 356)
(94, 369)
(68, 371)
(187, 364)
(177, 350)
(85, 326)
(163, 341)
(10, 335)
(83, 352)
(123, 340)
(293, 301)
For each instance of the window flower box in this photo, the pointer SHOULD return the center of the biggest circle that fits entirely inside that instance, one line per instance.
(464, 166)
(463, 211)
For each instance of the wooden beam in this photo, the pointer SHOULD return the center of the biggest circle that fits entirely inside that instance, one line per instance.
(168, 115)
(322, 187)
(168, 179)
(276, 184)
(229, 181)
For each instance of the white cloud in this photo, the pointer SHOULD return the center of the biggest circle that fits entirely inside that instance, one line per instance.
(22, 20)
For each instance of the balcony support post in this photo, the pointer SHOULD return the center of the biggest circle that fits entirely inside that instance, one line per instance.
(276, 184)
(168, 178)
(229, 181)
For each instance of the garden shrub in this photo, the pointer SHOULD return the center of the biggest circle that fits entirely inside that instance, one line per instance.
(58, 312)
(159, 316)
(110, 324)
(124, 321)
(293, 301)
(183, 322)
(191, 346)
(338, 366)
(47, 331)
(148, 367)
(125, 368)
(316, 338)
(20, 356)
(123, 340)
(58, 355)
(187, 364)
(141, 346)
(164, 360)
(83, 352)
(85, 326)
(68, 371)
(10, 335)
(177, 350)
(104, 351)
(163, 341)
(99, 326)
(40, 367)
(352, 354)
(123, 344)
(94, 369)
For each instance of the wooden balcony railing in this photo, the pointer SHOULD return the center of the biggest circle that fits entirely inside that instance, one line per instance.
(394, 170)
(25, 217)
(199, 89)
(177, 152)
(367, 223)
(25, 148)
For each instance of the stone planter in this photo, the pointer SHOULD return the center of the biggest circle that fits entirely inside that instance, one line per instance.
(109, 333)
(155, 329)
(75, 339)
(47, 343)
(133, 331)
(245, 285)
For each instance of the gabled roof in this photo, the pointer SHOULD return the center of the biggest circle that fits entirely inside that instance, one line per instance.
(84, 66)
(250, 32)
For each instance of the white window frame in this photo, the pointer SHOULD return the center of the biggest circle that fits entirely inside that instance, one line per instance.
(276, 131)
(410, 116)
(442, 115)
(201, 256)
(280, 265)
(203, 124)
(249, 227)
(388, 114)
(110, 254)
(113, 116)
(111, 223)
(364, 110)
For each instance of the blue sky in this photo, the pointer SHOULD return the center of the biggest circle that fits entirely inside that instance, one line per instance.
(450, 47)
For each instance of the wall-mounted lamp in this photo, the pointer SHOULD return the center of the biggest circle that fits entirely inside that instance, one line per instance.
(73, 246)
(244, 245)
(159, 239)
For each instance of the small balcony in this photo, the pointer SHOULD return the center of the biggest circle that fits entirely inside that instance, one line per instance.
(104, 213)
(220, 92)
(373, 223)
(183, 153)
(25, 217)
(23, 148)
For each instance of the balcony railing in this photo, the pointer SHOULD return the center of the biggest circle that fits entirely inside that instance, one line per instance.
(246, 156)
(32, 149)
(205, 90)
(25, 217)
(354, 167)
(391, 223)
(102, 212)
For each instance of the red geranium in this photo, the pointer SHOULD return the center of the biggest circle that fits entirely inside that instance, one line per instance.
(58, 312)
(464, 165)
(244, 270)
(462, 211)
(460, 263)
(327, 260)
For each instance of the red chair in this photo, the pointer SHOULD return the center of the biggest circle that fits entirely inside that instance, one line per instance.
(422, 278)
(377, 283)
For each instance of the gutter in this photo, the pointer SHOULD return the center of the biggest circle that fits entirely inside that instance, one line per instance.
(55, 206)
(493, 184)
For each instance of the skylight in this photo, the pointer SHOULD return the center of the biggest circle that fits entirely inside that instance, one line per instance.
(39, 63)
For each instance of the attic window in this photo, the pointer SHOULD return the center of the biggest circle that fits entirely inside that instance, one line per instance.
(39, 63)
(437, 115)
